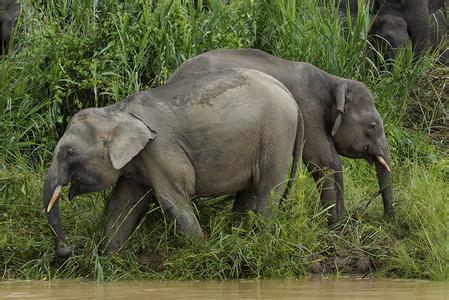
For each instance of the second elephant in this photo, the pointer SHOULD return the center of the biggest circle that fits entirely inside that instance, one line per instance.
(396, 21)
(339, 118)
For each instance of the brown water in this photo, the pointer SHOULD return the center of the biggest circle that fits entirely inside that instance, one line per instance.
(232, 289)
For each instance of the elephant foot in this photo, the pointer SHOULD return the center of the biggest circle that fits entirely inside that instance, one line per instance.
(389, 213)
(332, 217)
(62, 250)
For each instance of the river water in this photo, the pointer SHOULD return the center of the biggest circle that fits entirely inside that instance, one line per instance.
(230, 289)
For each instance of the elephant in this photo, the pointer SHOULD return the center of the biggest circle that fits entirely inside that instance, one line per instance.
(439, 25)
(435, 5)
(352, 5)
(9, 12)
(415, 13)
(397, 14)
(389, 33)
(339, 118)
(439, 33)
(209, 134)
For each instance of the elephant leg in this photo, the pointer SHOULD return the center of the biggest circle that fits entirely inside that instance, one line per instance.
(177, 208)
(416, 13)
(174, 184)
(244, 201)
(273, 166)
(128, 202)
(326, 169)
(337, 171)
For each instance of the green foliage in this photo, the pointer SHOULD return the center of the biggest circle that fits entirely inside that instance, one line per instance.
(74, 54)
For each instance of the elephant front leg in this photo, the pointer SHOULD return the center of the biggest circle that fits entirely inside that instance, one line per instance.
(328, 175)
(331, 193)
(128, 202)
(178, 209)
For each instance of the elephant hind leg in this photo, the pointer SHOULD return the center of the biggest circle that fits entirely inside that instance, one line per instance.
(244, 201)
(272, 169)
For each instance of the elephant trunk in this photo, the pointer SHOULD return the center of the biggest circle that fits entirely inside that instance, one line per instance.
(52, 186)
(384, 180)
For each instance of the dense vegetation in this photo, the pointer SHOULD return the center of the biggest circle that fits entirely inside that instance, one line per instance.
(71, 54)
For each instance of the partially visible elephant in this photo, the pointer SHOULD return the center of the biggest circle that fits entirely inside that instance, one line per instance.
(345, 5)
(389, 32)
(435, 5)
(339, 118)
(439, 34)
(208, 134)
(439, 25)
(9, 12)
(415, 13)
(391, 16)
(352, 6)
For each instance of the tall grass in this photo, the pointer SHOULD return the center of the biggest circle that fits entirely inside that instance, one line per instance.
(74, 54)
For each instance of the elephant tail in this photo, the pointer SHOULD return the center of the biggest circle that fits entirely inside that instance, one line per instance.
(297, 154)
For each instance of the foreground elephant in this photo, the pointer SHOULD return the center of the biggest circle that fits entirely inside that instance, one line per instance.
(339, 118)
(210, 134)
(9, 12)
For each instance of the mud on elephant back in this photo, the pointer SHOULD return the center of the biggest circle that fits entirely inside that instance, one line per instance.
(210, 134)
(339, 118)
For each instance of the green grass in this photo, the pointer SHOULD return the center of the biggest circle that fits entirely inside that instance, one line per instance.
(74, 54)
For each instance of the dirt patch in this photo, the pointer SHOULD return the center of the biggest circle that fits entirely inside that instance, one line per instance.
(151, 261)
(360, 264)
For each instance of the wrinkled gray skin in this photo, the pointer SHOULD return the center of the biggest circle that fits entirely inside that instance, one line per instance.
(209, 134)
(435, 5)
(321, 97)
(439, 26)
(415, 14)
(9, 12)
(390, 34)
(439, 32)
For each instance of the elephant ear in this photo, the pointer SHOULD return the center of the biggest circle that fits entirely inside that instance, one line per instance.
(128, 139)
(340, 94)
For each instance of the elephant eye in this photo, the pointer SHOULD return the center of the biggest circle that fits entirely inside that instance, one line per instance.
(372, 125)
(72, 156)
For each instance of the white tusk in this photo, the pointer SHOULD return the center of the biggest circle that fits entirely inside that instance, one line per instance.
(383, 163)
(54, 198)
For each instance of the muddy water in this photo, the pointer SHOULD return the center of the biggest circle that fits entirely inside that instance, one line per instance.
(241, 289)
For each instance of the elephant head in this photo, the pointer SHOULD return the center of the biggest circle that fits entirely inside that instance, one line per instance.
(358, 132)
(415, 13)
(97, 144)
(390, 34)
